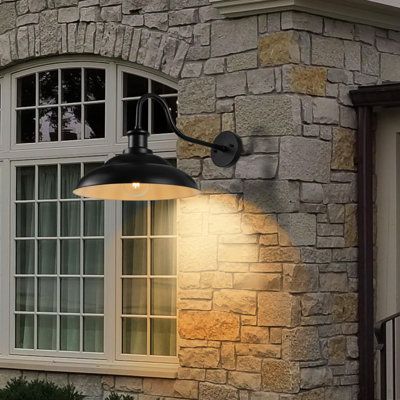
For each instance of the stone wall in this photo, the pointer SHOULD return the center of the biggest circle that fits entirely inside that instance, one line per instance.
(268, 277)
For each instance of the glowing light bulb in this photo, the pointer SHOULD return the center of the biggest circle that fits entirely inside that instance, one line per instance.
(136, 185)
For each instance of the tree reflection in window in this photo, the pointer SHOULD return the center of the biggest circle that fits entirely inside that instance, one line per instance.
(61, 100)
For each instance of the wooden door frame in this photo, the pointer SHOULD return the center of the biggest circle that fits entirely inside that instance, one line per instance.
(365, 99)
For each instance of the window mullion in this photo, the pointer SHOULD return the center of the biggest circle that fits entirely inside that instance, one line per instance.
(148, 240)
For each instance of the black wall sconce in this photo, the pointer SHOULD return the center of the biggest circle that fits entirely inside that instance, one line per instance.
(138, 174)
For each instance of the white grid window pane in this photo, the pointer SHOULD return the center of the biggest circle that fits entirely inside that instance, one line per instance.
(148, 244)
(61, 104)
(59, 282)
(154, 120)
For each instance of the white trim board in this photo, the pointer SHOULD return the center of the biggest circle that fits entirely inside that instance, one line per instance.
(370, 12)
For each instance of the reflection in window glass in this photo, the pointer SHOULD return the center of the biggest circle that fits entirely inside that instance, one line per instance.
(71, 123)
(48, 125)
(71, 84)
(48, 87)
(64, 104)
(95, 84)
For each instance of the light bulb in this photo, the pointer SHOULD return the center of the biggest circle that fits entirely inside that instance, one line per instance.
(136, 185)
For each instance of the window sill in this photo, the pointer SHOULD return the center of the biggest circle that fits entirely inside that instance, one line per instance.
(138, 369)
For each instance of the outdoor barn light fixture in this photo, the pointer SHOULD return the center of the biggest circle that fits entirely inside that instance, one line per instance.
(138, 174)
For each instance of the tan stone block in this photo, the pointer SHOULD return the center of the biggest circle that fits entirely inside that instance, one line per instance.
(253, 281)
(278, 309)
(269, 240)
(248, 320)
(225, 203)
(228, 356)
(280, 254)
(280, 376)
(233, 267)
(8, 374)
(192, 343)
(197, 204)
(213, 325)
(191, 373)
(244, 380)
(204, 127)
(199, 357)
(259, 223)
(238, 252)
(198, 253)
(248, 364)
(337, 350)
(191, 224)
(128, 384)
(343, 149)
(189, 281)
(266, 267)
(187, 389)
(301, 344)
(216, 280)
(238, 238)
(158, 386)
(203, 294)
(228, 122)
(258, 350)
(305, 79)
(275, 335)
(345, 307)
(204, 305)
(224, 223)
(300, 278)
(237, 301)
(350, 225)
(279, 48)
(216, 375)
(254, 334)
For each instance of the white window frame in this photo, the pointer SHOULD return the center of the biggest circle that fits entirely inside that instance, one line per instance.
(12, 155)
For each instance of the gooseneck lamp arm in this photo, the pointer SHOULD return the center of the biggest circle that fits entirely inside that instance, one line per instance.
(140, 175)
(178, 132)
(225, 150)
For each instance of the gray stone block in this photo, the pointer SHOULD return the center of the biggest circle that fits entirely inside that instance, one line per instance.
(297, 229)
(327, 51)
(325, 111)
(257, 167)
(271, 196)
(304, 159)
(197, 95)
(231, 85)
(261, 81)
(270, 115)
(311, 192)
(233, 36)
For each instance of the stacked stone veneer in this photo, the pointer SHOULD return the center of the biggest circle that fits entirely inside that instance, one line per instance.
(268, 277)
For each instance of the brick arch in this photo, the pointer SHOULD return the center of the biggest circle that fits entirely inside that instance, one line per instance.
(159, 51)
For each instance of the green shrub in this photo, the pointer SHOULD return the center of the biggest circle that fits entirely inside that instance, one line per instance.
(114, 396)
(20, 389)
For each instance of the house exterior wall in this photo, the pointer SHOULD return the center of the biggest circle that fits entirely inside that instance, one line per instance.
(268, 280)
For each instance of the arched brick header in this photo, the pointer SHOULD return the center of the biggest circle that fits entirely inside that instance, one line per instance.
(42, 34)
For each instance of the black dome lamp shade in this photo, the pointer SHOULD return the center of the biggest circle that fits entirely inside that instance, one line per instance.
(139, 175)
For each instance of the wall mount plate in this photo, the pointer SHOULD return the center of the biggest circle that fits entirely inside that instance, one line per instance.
(227, 158)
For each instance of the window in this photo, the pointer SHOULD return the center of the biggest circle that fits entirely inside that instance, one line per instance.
(83, 279)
